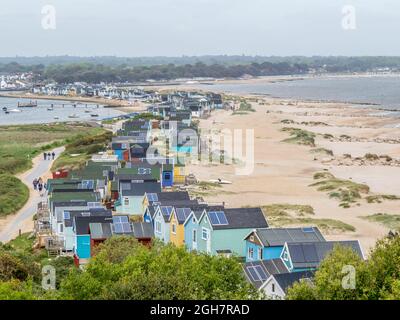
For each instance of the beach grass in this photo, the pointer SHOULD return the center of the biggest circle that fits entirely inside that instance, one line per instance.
(281, 215)
(391, 221)
(381, 197)
(346, 191)
(13, 194)
(244, 108)
(322, 151)
(300, 136)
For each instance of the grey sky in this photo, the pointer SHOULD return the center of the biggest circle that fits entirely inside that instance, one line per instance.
(198, 27)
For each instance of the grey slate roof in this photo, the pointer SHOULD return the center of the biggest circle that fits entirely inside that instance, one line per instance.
(272, 237)
(243, 218)
(57, 204)
(309, 255)
(270, 267)
(173, 196)
(142, 230)
(81, 224)
(97, 212)
(139, 189)
(286, 280)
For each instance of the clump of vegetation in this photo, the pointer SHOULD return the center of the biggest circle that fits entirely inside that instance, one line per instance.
(244, 108)
(381, 197)
(323, 175)
(328, 136)
(78, 152)
(371, 156)
(346, 191)
(287, 121)
(13, 194)
(314, 123)
(391, 221)
(323, 151)
(300, 136)
(279, 215)
(376, 278)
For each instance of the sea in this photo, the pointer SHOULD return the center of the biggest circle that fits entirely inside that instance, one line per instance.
(376, 91)
(62, 110)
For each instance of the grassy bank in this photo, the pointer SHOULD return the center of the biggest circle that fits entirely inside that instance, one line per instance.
(19, 144)
(81, 150)
(13, 194)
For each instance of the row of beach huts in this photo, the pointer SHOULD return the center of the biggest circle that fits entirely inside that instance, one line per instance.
(123, 191)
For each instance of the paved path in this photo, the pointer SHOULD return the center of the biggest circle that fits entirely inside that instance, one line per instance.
(41, 168)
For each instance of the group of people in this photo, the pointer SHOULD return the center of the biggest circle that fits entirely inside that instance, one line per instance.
(49, 156)
(39, 185)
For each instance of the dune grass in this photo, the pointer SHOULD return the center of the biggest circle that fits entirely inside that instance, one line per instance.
(280, 215)
(300, 136)
(322, 151)
(381, 197)
(346, 191)
(13, 194)
(244, 108)
(391, 221)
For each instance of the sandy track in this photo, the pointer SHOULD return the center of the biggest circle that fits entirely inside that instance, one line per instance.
(10, 226)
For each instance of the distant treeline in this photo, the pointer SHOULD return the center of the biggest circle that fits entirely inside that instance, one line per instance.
(123, 73)
(115, 69)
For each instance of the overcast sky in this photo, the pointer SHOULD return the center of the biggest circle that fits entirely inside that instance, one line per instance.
(199, 27)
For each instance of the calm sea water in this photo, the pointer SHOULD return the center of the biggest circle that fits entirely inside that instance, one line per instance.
(40, 114)
(381, 90)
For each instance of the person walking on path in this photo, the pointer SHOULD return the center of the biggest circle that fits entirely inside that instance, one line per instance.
(40, 188)
(48, 156)
(35, 183)
(45, 156)
(53, 155)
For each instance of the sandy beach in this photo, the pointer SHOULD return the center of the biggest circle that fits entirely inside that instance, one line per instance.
(283, 172)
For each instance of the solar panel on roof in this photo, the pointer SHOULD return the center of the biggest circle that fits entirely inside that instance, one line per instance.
(152, 197)
(308, 229)
(183, 213)
(310, 253)
(118, 228)
(222, 218)
(120, 219)
(213, 218)
(254, 275)
(166, 210)
(261, 273)
(296, 253)
(218, 218)
(126, 227)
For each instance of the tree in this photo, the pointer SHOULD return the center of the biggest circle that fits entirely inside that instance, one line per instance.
(328, 281)
(124, 269)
